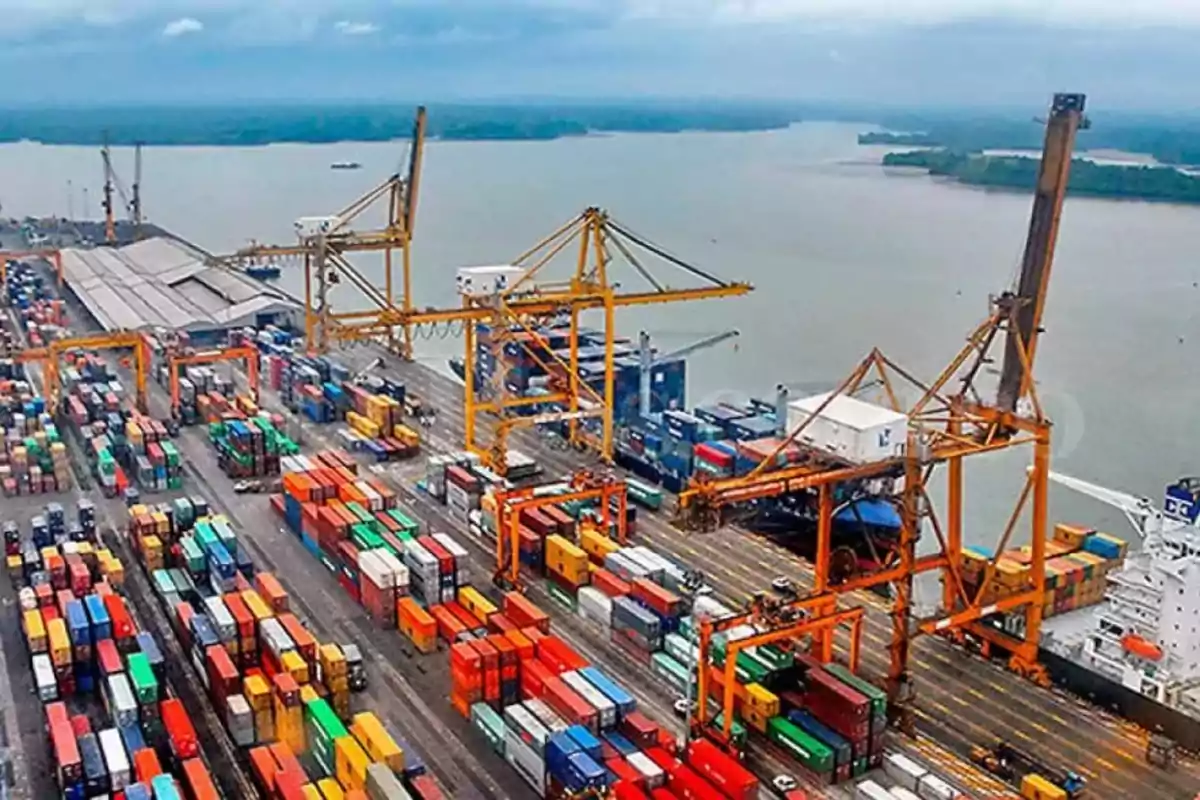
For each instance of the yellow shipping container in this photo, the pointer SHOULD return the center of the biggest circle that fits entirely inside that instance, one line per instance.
(1010, 574)
(256, 605)
(48, 553)
(596, 544)
(1035, 787)
(755, 719)
(350, 763)
(565, 559)
(16, 565)
(762, 699)
(378, 743)
(363, 425)
(330, 789)
(310, 792)
(332, 660)
(292, 662)
(162, 525)
(257, 692)
(406, 435)
(35, 630)
(476, 604)
(1071, 535)
(60, 642)
(308, 694)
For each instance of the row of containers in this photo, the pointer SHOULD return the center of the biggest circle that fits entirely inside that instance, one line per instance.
(830, 721)
(325, 391)
(113, 725)
(284, 697)
(250, 445)
(1078, 562)
(567, 728)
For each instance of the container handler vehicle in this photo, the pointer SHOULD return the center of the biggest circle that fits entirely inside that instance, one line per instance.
(1012, 764)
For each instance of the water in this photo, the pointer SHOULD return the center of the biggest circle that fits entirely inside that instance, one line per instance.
(844, 255)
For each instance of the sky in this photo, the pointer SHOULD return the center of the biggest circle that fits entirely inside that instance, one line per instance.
(1138, 55)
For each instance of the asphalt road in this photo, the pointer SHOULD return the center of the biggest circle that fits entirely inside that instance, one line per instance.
(960, 700)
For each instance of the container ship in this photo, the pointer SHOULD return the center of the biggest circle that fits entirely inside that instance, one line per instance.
(661, 443)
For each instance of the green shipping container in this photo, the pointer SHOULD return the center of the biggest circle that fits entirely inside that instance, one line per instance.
(737, 732)
(407, 526)
(775, 659)
(324, 719)
(877, 696)
(193, 556)
(162, 582)
(488, 722)
(357, 510)
(145, 685)
(859, 767)
(808, 751)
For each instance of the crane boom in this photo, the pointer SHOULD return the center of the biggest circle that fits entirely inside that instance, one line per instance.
(1066, 118)
(647, 361)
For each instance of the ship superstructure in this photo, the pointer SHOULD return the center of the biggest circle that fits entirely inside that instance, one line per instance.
(1146, 635)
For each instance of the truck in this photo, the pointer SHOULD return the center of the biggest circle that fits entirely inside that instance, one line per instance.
(1010, 763)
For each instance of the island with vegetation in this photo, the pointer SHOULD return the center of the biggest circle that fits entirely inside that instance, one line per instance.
(1169, 140)
(244, 126)
(1165, 184)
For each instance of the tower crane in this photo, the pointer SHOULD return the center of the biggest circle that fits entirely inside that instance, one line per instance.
(949, 422)
(110, 222)
(647, 361)
(323, 244)
(113, 185)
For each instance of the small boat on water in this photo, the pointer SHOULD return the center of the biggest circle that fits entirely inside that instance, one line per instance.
(345, 165)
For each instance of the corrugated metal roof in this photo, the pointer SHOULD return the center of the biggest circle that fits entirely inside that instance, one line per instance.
(161, 282)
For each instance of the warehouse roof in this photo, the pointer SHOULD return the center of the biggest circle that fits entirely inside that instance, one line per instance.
(162, 282)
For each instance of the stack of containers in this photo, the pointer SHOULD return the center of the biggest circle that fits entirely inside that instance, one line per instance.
(463, 492)
(156, 465)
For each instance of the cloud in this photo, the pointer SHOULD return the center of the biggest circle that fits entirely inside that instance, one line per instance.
(1074, 13)
(348, 28)
(182, 27)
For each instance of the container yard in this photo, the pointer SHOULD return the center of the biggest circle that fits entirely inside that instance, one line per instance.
(345, 607)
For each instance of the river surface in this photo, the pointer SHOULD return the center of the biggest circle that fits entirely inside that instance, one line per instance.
(844, 256)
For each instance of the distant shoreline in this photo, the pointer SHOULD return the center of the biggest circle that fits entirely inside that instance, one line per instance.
(251, 127)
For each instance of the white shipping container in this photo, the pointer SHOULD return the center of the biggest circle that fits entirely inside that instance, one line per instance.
(903, 770)
(849, 428)
(418, 558)
(593, 696)
(523, 719)
(526, 762)
(43, 674)
(544, 714)
(706, 606)
(115, 758)
(870, 790)
(221, 618)
(382, 784)
(595, 605)
(453, 548)
(932, 787)
(900, 793)
(475, 281)
(376, 568)
(399, 571)
(653, 773)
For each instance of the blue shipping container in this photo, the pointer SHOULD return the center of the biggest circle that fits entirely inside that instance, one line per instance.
(98, 616)
(620, 698)
(586, 740)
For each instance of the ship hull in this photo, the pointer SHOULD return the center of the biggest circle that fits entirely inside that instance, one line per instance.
(1112, 696)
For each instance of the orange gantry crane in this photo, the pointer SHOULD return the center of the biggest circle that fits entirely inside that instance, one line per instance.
(816, 616)
(948, 423)
(50, 356)
(323, 247)
(178, 360)
(583, 485)
(53, 255)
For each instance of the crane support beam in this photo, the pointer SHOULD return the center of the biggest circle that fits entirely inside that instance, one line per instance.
(176, 361)
(1066, 117)
(54, 256)
(52, 354)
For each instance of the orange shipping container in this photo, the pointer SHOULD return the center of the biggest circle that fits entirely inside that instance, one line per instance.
(271, 591)
(416, 623)
(145, 765)
(349, 493)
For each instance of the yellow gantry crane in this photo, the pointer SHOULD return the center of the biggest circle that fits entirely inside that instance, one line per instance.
(949, 422)
(50, 356)
(325, 242)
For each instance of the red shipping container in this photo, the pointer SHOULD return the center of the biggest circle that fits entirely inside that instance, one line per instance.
(666, 603)
(662, 794)
(469, 620)
(609, 583)
(223, 678)
(305, 643)
(524, 613)
(108, 658)
(123, 628)
(639, 730)
(183, 618)
(81, 725)
(713, 455)
(624, 772)
(534, 635)
(624, 790)
(564, 521)
(445, 560)
(145, 765)
(508, 654)
(424, 787)
(722, 770)
(272, 592)
(241, 614)
(687, 785)
(533, 678)
(179, 729)
(569, 705)
(663, 759)
(524, 647)
(498, 623)
(538, 522)
(488, 654)
(558, 656)
(449, 627)
(199, 781)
